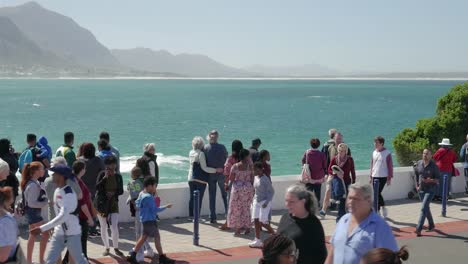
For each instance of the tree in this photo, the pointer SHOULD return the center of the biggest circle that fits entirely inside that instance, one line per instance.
(450, 121)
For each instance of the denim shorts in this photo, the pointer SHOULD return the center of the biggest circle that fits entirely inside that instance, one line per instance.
(34, 215)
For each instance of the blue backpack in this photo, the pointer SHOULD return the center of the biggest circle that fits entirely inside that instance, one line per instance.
(25, 157)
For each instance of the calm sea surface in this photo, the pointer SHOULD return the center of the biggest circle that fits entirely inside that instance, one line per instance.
(285, 114)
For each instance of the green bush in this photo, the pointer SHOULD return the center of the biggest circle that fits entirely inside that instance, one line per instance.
(451, 121)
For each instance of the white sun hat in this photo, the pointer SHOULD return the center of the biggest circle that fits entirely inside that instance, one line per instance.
(445, 142)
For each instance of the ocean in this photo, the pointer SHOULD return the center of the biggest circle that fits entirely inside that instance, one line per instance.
(285, 114)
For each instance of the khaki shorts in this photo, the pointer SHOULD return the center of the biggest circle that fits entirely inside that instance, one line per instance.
(328, 183)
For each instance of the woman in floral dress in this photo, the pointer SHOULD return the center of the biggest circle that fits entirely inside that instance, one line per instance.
(242, 192)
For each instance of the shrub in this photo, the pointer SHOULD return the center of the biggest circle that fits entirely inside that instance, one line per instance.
(450, 121)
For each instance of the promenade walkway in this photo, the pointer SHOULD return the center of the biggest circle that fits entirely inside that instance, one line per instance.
(450, 240)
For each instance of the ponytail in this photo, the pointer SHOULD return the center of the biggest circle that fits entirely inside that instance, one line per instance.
(28, 171)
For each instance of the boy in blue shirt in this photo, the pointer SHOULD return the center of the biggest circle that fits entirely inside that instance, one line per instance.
(148, 212)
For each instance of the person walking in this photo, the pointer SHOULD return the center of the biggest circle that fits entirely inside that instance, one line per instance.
(464, 158)
(427, 179)
(109, 187)
(360, 230)
(381, 169)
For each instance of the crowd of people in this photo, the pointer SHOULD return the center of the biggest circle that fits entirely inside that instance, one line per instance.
(83, 191)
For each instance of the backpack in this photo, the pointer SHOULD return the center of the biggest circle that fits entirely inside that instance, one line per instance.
(25, 157)
(21, 205)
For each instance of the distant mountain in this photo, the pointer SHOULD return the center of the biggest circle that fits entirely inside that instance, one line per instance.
(60, 35)
(192, 65)
(17, 50)
(307, 70)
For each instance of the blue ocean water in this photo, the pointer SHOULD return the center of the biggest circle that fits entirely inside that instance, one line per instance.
(285, 114)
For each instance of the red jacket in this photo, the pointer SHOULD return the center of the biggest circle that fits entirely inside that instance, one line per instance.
(445, 158)
(348, 169)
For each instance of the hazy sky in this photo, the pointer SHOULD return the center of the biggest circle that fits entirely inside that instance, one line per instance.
(348, 35)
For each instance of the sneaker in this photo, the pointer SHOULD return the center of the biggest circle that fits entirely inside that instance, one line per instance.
(118, 252)
(106, 252)
(213, 221)
(322, 213)
(257, 243)
(163, 259)
(384, 212)
(430, 229)
(132, 257)
(149, 253)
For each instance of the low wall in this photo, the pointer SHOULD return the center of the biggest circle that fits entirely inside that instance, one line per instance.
(178, 193)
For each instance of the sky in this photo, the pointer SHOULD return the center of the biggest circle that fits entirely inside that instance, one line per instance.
(349, 36)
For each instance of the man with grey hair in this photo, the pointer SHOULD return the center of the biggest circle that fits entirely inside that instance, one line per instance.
(464, 158)
(360, 230)
(216, 155)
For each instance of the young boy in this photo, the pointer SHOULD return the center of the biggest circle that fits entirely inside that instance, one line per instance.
(134, 188)
(261, 205)
(148, 211)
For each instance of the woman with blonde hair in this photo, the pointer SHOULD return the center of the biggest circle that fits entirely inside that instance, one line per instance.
(35, 199)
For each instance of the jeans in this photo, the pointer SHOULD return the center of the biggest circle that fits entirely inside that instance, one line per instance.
(73, 244)
(316, 189)
(113, 220)
(441, 182)
(426, 198)
(382, 182)
(215, 181)
(194, 185)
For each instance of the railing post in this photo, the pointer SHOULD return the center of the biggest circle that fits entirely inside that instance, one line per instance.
(376, 183)
(196, 217)
(444, 194)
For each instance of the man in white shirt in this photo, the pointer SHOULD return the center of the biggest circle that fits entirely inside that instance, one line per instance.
(67, 231)
(381, 169)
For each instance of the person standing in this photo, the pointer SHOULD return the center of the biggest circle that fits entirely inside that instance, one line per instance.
(9, 226)
(381, 169)
(216, 155)
(254, 152)
(109, 187)
(30, 154)
(301, 225)
(317, 162)
(35, 199)
(464, 158)
(105, 136)
(330, 141)
(66, 150)
(9, 157)
(444, 158)
(198, 172)
(67, 231)
(427, 178)
(149, 156)
(360, 230)
(242, 193)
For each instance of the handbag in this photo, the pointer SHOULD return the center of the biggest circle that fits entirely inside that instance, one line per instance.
(456, 172)
(305, 175)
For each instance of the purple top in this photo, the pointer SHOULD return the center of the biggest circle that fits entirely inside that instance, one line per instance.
(317, 163)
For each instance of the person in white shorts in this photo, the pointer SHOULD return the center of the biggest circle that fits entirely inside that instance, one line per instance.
(261, 204)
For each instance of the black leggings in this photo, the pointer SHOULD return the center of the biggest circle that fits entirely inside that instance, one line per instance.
(382, 182)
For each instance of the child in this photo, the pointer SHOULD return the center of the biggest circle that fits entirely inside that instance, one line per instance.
(265, 159)
(261, 205)
(148, 212)
(45, 150)
(134, 188)
(338, 185)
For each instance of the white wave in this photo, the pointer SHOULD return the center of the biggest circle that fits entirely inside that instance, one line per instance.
(318, 96)
(36, 105)
(172, 161)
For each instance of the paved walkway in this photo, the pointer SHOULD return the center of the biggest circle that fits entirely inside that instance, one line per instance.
(218, 246)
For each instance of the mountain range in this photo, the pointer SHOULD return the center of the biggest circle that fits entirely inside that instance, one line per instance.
(35, 41)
